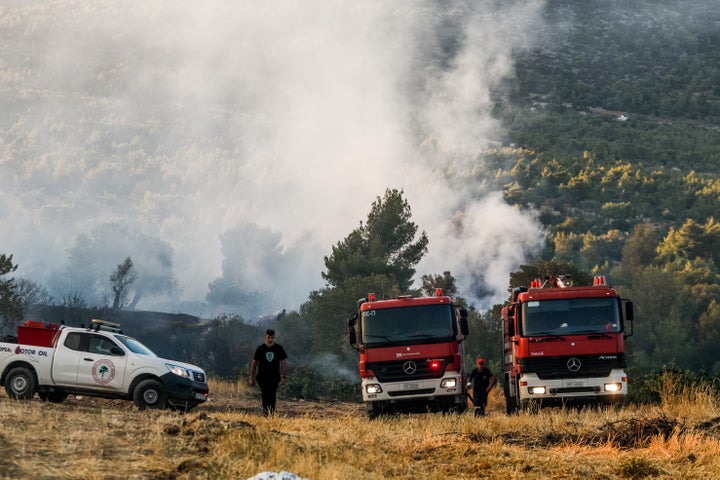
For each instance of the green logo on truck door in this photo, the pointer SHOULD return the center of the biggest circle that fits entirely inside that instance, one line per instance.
(103, 371)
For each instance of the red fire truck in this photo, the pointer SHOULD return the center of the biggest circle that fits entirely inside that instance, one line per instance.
(411, 353)
(564, 344)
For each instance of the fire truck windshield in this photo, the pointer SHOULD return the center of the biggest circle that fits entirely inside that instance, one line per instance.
(419, 324)
(576, 316)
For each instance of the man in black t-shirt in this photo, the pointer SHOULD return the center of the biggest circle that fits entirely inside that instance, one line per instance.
(269, 362)
(482, 381)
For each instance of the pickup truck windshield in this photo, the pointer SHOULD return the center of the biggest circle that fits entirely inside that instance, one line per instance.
(420, 324)
(576, 316)
(134, 346)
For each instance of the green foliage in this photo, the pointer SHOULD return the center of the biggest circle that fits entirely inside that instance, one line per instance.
(544, 269)
(692, 240)
(303, 383)
(327, 310)
(378, 256)
(445, 281)
(669, 383)
(615, 144)
(224, 347)
(709, 337)
(663, 333)
(484, 339)
(384, 245)
(636, 468)
(11, 310)
(309, 383)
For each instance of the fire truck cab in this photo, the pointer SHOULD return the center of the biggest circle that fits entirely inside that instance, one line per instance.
(564, 344)
(411, 353)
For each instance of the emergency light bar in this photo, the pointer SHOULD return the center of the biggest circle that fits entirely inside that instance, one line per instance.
(97, 325)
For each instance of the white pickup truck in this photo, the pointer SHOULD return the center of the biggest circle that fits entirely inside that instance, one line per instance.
(55, 360)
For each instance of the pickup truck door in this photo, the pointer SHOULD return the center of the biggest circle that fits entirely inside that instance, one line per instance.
(102, 365)
(67, 358)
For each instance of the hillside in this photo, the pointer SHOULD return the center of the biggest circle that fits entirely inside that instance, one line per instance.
(615, 122)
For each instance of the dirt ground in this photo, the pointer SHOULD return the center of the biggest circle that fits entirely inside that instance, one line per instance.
(250, 404)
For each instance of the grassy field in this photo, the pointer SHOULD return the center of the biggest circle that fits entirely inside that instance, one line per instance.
(227, 438)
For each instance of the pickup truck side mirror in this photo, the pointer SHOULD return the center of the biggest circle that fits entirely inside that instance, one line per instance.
(117, 351)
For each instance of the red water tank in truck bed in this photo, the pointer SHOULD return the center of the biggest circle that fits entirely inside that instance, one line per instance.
(40, 334)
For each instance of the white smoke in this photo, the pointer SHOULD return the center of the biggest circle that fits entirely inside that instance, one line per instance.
(186, 120)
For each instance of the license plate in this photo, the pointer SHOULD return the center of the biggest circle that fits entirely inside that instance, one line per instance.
(200, 396)
(411, 386)
(575, 384)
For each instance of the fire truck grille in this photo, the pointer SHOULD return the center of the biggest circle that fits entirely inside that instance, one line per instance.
(548, 368)
(424, 391)
(403, 370)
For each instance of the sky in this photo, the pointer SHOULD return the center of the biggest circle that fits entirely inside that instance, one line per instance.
(187, 121)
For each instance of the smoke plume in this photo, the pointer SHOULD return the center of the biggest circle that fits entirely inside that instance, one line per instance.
(187, 122)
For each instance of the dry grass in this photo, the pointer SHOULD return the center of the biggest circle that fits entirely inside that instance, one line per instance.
(229, 439)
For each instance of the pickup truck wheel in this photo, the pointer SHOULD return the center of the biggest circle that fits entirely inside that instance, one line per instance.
(56, 396)
(150, 394)
(20, 383)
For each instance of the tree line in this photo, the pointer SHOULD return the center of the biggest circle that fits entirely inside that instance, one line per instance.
(672, 280)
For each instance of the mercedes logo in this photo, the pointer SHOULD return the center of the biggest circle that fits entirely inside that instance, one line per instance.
(574, 364)
(409, 367)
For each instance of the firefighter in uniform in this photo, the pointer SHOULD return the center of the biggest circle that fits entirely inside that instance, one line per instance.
(482, 381)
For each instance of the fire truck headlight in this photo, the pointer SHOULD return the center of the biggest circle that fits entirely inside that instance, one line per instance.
(373, 388)
(536, 390)
(613, 387)
(449, 383)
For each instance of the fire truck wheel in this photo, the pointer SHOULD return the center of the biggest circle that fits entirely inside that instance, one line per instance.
(20, 383)
(150, 394)
(373, 410)
(509, 401)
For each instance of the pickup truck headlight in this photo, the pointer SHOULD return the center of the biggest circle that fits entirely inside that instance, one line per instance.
(178, 370)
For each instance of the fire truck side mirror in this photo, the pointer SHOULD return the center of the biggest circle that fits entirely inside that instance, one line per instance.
(511, 320)
(352, 336)
(629, 316)
(464, 327)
